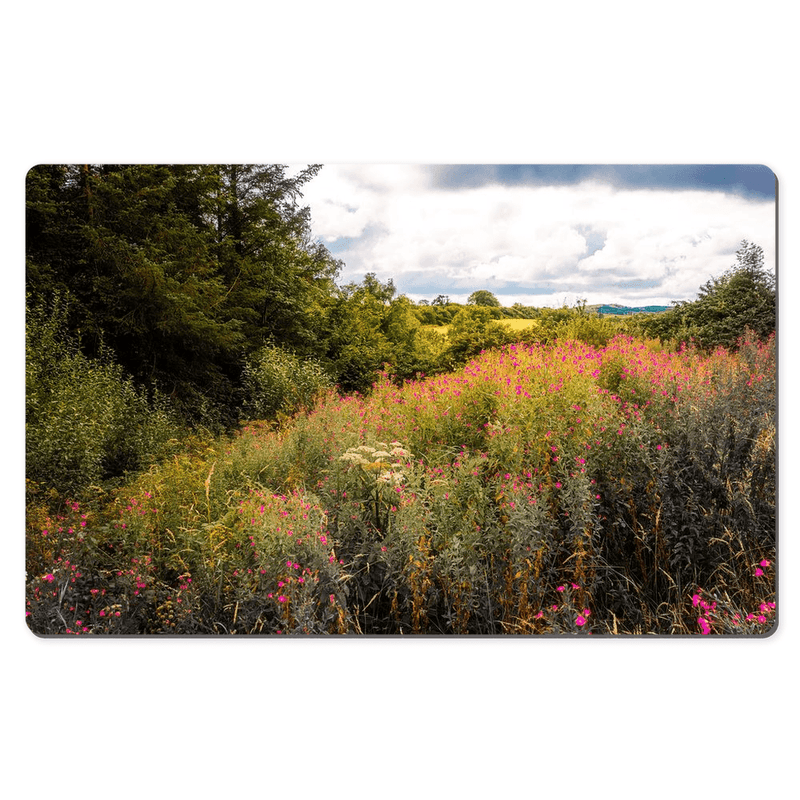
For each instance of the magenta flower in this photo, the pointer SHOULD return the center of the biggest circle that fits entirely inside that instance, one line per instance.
(705, 628)
(581, 620)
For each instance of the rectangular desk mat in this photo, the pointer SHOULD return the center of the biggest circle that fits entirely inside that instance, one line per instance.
(385, 400)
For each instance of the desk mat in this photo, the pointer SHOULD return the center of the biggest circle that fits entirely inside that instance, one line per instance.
(385, 400)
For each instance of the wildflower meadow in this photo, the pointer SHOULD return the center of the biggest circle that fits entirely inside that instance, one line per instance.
(559, 488)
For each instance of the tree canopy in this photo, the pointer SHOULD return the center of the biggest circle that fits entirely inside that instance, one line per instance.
(182, 270)
(742, 298)
(483, 297)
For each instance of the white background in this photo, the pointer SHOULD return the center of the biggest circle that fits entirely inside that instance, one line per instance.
(346, 82)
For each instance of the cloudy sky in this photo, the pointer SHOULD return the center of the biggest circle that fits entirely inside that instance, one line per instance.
(543, 235)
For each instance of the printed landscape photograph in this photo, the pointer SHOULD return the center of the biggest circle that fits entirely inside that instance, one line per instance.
(388, 400)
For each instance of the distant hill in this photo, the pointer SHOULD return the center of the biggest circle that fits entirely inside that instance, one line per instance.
(619, 311)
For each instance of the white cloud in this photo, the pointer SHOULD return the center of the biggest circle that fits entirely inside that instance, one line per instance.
(650, 246)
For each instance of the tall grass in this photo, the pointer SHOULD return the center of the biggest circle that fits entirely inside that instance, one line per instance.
(559, 488)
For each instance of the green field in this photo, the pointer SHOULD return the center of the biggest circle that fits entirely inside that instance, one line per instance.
(513, 324)
(519, 324)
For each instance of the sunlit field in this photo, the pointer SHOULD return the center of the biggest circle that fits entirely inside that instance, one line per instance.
(511, 324)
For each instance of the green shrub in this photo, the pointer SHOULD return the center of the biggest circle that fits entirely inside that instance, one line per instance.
(278, 381)
(86, 422)
(473, 330)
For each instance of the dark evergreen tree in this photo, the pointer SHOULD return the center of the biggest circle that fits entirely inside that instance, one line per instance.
(278, 278)
(182, 270)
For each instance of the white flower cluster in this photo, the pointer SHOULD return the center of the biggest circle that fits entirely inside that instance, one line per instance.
(383, 458)
(391, 478)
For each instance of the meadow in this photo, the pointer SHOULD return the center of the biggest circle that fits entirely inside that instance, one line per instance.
(515, 325)
(559, 488)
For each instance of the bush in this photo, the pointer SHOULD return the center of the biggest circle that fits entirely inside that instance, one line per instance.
(278, 381)
(86, 422)
(741, 299)
(473, 330)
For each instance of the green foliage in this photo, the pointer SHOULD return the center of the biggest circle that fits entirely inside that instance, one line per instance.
(741, 299)
(369, 329)
(483, 298)
(85, 421)
(430, 347)
(426, 315)
(181, 270)
(472, 330)
(278, 381)
(581, 327)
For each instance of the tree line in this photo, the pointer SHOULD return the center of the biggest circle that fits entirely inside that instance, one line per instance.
(187, 273)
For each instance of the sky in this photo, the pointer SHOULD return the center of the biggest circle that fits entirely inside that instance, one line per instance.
(543, 235)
